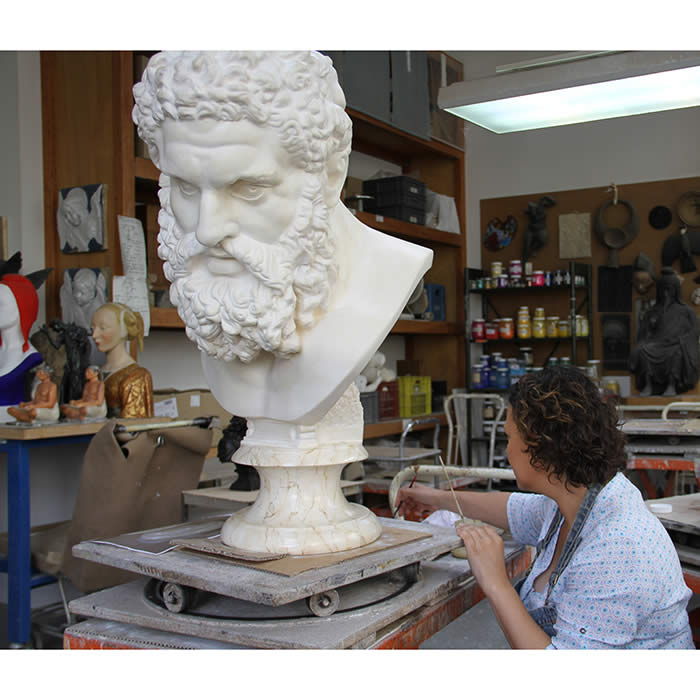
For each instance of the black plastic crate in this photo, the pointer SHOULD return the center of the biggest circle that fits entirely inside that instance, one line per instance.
(410, 214)
(399, 185)
(381, 200)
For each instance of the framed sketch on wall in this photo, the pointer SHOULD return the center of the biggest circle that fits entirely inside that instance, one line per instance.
(81, 219)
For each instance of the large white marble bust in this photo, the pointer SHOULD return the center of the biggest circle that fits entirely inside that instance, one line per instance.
(285, 292)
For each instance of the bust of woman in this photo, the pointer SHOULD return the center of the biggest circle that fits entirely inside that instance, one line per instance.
(128, 386)
(19, 305)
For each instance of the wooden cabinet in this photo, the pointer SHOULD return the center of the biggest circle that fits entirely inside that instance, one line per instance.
(89, 137)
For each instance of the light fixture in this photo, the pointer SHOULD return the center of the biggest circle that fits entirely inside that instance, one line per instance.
(576, 87)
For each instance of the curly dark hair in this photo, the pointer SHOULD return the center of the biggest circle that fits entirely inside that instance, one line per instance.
(567, 427)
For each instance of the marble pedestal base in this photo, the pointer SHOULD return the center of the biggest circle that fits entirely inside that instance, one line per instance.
(301, 510)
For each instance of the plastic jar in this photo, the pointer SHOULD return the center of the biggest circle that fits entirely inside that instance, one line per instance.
(479, 330)
(505, 328)
(539, 329)
(476, 377)
(515, 269)
(496, 268)
(526, 357)
(502, 378)
(538, 278)
(502, 281)
(552, 326)
(491, 331)
(564, 328)
(539, 312)
(565, 361)
(524, 328)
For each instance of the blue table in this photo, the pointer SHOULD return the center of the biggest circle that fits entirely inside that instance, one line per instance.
(16, 441)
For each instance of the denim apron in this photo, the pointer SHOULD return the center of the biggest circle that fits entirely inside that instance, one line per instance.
(546, 616)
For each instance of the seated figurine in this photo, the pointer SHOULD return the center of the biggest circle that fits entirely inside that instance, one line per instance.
(92, 404)
(128, 386)
(666, 358)
(44, 405)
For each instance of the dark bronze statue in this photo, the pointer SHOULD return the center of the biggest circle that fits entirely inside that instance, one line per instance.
(535, 236)
(665, 359)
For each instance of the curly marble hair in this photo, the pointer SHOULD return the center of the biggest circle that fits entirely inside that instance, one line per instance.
(296, 92)
(567, 427)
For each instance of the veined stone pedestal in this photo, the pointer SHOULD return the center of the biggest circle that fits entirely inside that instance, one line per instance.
(300, 508)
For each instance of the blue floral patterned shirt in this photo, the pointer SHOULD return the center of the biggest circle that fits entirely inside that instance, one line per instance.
(623, 587)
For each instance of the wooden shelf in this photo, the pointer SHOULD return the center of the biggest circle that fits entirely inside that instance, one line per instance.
(165, 318)
(404, 229)
(427, 328)
(168, 318)
(396, 425)
(144, 168)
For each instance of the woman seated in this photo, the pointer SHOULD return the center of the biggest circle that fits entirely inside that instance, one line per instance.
(128, 387)
(606, 574)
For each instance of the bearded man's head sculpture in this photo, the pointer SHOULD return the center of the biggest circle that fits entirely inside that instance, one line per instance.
(256, 149)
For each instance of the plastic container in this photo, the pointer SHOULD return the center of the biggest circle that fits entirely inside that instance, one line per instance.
(502, 378)
(515, 269)
(496, 268)
(505, 328)
(491, 331)
(524, 328)
(538, 278)
(539, 329)
(370, 406)
(479, 330)
(476, 377)
(414, 396)
(564, 327)
(388, 400)
(552, 326)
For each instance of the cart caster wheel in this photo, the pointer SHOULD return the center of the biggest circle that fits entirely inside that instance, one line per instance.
(412, 572)
(176, 598)
(324, 604)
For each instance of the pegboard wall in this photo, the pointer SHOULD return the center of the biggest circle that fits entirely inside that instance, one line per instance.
(642, 196)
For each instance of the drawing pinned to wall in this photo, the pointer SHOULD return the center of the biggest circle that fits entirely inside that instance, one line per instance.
(84, 290)
(81, 219)
(575, 235)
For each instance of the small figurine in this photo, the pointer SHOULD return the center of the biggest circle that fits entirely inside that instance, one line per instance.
(128, 386)
(44, 405)
(536, 236)
(92, 404)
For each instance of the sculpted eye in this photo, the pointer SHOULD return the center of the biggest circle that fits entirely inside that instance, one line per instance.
(249, 191)
(186, 189)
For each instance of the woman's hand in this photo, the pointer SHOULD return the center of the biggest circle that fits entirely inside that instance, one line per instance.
(485, 553)
(418, 499)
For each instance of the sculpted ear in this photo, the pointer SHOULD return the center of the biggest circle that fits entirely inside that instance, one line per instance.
(337, 171)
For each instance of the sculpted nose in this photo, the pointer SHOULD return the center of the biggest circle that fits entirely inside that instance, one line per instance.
(215, 221)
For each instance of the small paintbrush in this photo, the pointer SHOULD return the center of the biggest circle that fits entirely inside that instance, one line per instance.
(454, 495)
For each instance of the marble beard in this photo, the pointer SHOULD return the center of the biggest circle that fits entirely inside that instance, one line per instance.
(229, 319)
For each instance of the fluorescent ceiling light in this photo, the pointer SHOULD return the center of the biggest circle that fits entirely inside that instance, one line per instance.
(577, 90)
